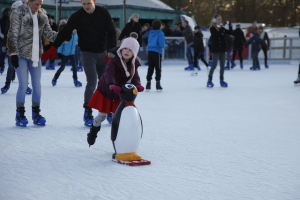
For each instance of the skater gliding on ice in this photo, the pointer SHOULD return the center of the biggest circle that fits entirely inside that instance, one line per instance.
(96, 35)
(257, 43)
(218, 48)
(264, 36)
(28, 23)
(67, 51)
(238, 45)
(120, 70)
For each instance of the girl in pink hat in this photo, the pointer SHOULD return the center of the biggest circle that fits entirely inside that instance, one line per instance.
(120, 70)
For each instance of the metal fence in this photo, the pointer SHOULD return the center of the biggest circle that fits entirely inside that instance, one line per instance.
(280, 49)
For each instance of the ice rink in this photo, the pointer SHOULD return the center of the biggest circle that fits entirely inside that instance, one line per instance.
(240, 142)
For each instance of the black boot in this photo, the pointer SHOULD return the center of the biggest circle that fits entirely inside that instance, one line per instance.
(148, 86)
(158, 86)
(92, 135)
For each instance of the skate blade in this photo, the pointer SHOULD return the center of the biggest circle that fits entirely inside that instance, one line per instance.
(39, 124)
(20, 124)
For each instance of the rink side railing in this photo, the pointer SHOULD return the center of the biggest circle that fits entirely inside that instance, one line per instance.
(283, 48)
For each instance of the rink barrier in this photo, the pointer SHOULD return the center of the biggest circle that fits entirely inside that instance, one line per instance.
(283, 48)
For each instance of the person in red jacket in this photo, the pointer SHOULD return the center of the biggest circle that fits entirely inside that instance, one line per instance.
(252, 28)
(120, 70)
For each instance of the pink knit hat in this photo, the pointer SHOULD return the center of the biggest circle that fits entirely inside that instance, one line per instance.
(133, 45)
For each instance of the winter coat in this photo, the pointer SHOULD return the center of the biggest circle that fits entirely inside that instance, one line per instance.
(251, 28)
(156, 41)
(256, 43)
(20, 34)
(188, 35)
(114, 74)
(96, 32)
(3, 23)
(264, 36)
(239, 39)
(130, 27)
(4, 40)
(69, 48)
(229, 42)
(177, 33)
(218, 39)
(198, 42)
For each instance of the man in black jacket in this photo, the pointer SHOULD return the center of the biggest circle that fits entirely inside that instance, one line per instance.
(188, 35)
(96, 34)
(238, 45)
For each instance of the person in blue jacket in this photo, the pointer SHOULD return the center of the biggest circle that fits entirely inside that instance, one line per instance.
(256, 46)
(156, 42)
(65, 51)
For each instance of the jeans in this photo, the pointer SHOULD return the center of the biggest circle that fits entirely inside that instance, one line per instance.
(255, 58)
(94, 66)
(77, 56)
(10, 71)
(64, 60)
(190, 54)
(2, 56)
(25, 66)
(228, 57)
(215, 57)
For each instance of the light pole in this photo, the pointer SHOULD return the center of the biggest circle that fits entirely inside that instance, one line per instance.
(124, 13)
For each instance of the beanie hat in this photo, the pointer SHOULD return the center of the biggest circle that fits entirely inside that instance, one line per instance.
(4, 9)
(253, 32)
(238, 24)
(16, 4)
(260, 27)
(133, 45)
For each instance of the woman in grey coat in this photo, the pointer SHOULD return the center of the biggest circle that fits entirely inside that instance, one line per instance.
(29, 23)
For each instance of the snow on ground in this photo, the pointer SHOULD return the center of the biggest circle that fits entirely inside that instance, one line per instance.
(240, 142)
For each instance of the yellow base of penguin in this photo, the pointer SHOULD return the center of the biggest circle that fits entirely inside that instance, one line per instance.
(128, 156)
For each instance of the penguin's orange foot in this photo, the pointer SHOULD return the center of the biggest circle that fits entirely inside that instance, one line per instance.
(128, 156)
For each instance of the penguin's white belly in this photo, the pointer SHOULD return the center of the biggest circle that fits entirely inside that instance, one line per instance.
(129, 132)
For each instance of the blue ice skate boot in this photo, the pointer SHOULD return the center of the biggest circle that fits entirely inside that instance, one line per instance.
(5, 88)
(210, 63)
(198, 67)
(54, 80)
(209, 83)
(253, 68)
(77, 83)
(68, 63)
(80, 68)
(71, 69)
(190, 67)
(29, 90)
(242, 66)
(146, 63)
(21, 120)
(109, 118)
(223, 83)
(36, 117)
(233, 65)
(257, 67)
(266, 66)
(51, 66)
(87, 116)
(2, 69)
(227, 67)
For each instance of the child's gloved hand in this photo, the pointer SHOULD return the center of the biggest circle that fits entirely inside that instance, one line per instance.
(140, 88)
(115, 88)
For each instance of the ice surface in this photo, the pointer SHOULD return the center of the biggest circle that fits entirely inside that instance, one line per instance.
(240, 142)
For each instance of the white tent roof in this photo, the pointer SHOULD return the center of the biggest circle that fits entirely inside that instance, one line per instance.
(144, 3)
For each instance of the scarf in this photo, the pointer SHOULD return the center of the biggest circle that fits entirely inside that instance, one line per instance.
(35, 42)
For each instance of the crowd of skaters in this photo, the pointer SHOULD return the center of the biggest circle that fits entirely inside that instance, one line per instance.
(90, 39)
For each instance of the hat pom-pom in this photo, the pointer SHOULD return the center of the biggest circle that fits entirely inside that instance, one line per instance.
(127, 74)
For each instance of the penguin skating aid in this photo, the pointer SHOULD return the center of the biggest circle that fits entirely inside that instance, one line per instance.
(127, 129)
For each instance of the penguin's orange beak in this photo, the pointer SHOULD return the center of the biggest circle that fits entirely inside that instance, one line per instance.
(135, 91)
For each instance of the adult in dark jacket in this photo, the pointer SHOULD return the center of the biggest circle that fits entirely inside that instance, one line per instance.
(3, 22)
(133, 25)
(96, 34)
(218, 48)
(177, 32)
(188, 35)
(264, 36)
(239, 41)
(256, 45)
(146, 33)
(198, 47)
